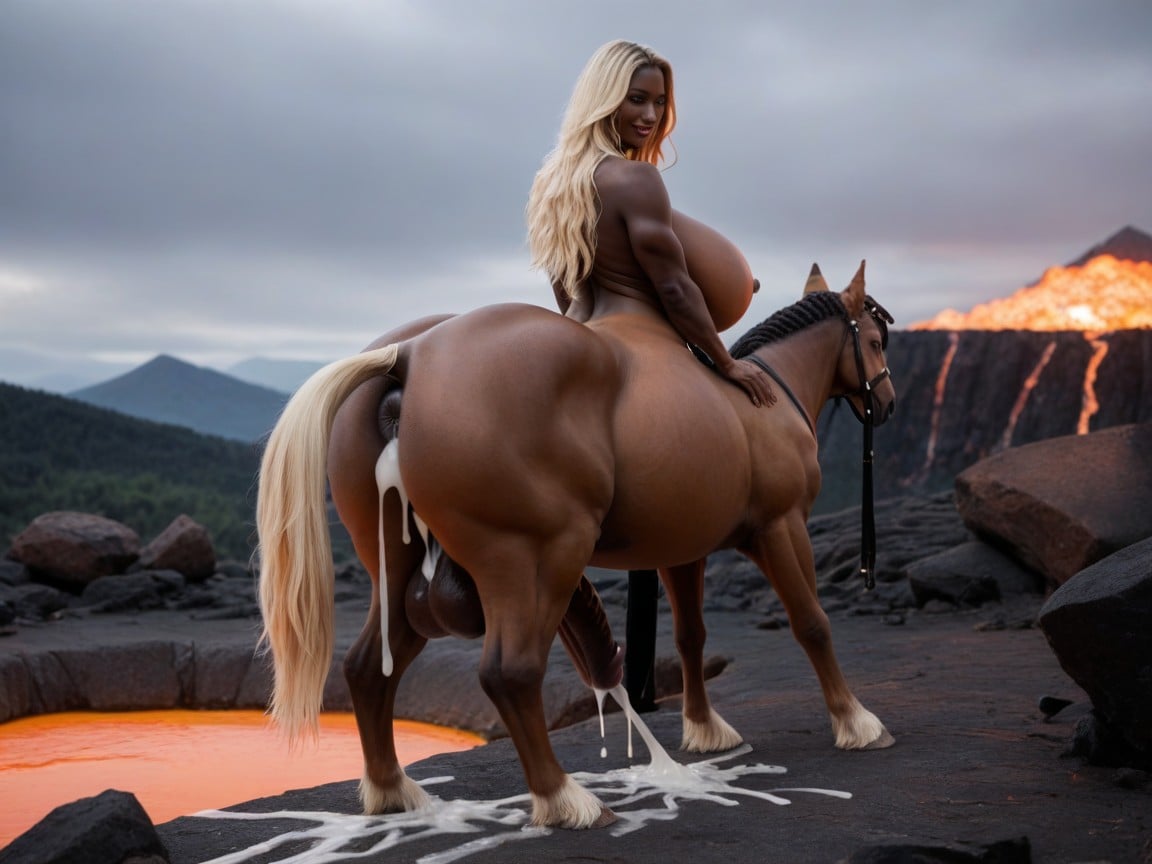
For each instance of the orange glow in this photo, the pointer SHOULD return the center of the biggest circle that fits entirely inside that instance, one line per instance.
(1025, 392)
(180, 762)
(1105, 294)
(938, 401)
(1089, 404)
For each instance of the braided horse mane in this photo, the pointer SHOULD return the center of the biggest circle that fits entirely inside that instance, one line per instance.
(810, 309)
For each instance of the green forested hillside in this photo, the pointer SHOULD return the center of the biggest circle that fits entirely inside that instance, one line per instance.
(60, 454)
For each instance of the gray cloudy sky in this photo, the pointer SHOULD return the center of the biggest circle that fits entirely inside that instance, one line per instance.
(218, 179)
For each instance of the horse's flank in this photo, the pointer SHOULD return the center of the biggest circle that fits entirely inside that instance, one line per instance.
(531, 446)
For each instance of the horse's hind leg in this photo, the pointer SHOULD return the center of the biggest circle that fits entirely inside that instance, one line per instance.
(784, 553)
(705, 731)
(384, 787)
(358, 436)
(522, 611)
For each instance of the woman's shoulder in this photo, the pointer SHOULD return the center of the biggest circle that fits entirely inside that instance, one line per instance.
(617, 175)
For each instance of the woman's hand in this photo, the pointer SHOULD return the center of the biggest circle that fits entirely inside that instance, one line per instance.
(752, 380)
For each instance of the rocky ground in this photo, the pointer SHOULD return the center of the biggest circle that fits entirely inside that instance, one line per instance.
(975, 764)
(944, 650)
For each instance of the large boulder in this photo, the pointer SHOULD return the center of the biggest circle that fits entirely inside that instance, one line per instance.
(1097, 623)
(109, 828)
(184, 546)
(68, 550)
(970, 574)
(1059, 505)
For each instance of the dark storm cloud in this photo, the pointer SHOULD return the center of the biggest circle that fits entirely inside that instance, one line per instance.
(140, 123)
(293, 176)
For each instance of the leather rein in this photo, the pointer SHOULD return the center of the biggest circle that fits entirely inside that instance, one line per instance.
(868, 419)
(867, 511)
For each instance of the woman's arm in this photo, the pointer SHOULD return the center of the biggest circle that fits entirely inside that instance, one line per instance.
(647, 214)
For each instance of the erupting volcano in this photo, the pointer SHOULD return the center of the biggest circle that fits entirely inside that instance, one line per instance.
(1109, 288)
(1071, 354)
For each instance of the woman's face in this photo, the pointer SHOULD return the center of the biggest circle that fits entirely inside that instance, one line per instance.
(640, 112)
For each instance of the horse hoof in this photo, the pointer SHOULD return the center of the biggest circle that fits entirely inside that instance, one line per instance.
(405, 795)
(882, 743)
(713, 735)
(606, 818)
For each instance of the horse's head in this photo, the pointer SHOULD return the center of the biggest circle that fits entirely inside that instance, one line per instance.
(862, 373)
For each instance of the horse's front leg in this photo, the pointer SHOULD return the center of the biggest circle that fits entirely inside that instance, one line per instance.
(784, 552)
(704, 731)
(522, 612)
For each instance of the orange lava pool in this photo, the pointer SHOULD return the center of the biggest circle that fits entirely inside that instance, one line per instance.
(180, 762)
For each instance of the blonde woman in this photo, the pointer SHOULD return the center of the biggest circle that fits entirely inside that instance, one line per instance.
(601, 225)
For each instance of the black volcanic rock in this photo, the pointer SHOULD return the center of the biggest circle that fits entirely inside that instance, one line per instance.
(109, 828)
(970, 575)
(1097, 624)
(184, 546)
(1015, 851)
(964, 396)
(68, 550)
(1128, 244)
(141, 590)
(1062, 504)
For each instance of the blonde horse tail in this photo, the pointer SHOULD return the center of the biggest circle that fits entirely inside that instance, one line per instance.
(295, 552)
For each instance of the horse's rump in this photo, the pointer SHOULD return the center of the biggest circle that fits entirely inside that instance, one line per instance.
(517, 419)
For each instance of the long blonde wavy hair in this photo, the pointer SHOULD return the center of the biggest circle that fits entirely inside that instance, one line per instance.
(562, 206)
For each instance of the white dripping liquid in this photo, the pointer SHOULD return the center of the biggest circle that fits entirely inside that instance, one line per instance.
(504, 820)
(663, 778)
(388, 477)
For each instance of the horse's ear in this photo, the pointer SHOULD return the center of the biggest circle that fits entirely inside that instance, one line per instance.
(815, 280)
(854, 295)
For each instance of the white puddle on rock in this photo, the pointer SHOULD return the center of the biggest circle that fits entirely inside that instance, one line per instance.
(638, 795)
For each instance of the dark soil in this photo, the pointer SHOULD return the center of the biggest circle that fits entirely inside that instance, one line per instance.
(975, 761)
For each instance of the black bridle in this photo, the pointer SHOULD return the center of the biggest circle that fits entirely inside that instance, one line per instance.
(868, 419)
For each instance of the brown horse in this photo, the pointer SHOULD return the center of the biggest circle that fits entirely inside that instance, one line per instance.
(525, 446)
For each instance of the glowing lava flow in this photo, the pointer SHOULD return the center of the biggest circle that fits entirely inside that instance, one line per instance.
(938, 402)
(1089, 403)
(1025, 392)
(179, 762)
(1104, 295)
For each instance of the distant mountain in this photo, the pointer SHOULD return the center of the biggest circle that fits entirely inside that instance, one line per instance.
(1127, 244)
(168, 390)
(283, 375)
(60, 454)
